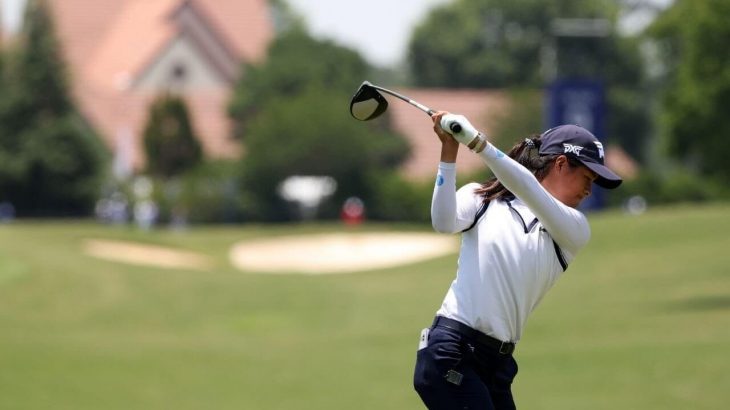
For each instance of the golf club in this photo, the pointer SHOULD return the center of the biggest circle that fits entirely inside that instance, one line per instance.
(368, 103)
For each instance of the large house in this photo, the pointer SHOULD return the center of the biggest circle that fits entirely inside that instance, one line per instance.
(123, 53)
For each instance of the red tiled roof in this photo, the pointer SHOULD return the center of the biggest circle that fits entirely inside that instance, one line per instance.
(139, 32)
(80, 24)
(248, 25)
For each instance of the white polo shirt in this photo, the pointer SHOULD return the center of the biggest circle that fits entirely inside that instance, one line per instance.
(512, 256)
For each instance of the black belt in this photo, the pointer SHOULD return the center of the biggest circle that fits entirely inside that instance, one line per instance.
(500, 346)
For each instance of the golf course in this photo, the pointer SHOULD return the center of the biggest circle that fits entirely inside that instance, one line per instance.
(641, 319)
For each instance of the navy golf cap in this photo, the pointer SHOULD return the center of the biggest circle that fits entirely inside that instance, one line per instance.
(577, 142)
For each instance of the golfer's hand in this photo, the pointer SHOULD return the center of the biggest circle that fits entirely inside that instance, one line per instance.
(459, 127)
(444, 136)
(449, 146)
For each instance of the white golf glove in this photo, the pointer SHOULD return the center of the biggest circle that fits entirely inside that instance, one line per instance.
(462, 131)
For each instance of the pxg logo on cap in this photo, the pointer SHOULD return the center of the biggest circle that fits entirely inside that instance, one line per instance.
(573, 149)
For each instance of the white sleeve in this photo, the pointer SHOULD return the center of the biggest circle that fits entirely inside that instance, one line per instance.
(567, 226)
(452, 211)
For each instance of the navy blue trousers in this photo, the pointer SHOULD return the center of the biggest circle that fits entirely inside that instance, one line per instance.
(455, 372)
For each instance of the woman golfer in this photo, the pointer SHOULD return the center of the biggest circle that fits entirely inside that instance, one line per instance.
(520, 231)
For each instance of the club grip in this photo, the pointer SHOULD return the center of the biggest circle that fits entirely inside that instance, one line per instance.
(455, 127)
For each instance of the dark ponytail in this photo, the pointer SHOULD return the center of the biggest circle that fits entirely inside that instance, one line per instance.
(527, 154)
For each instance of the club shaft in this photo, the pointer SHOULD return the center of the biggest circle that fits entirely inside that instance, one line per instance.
(414, 103)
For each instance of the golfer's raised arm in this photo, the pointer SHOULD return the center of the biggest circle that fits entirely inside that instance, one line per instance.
(566, 225)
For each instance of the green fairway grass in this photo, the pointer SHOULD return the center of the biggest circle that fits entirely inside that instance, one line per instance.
(641, 320)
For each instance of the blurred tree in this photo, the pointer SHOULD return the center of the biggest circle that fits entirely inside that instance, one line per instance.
(296, 63)
(494, 43)
(170, 145)
(309, 134)
(295, 111)
(50, 160)
(692, 36)
(284, 17)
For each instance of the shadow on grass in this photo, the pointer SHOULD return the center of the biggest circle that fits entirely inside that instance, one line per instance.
(702, 303)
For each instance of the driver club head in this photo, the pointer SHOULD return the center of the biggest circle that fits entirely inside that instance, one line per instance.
(367, 103)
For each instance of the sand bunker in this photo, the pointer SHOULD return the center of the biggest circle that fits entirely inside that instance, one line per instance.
(307, 254)
(147, 255)
(340, 252)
